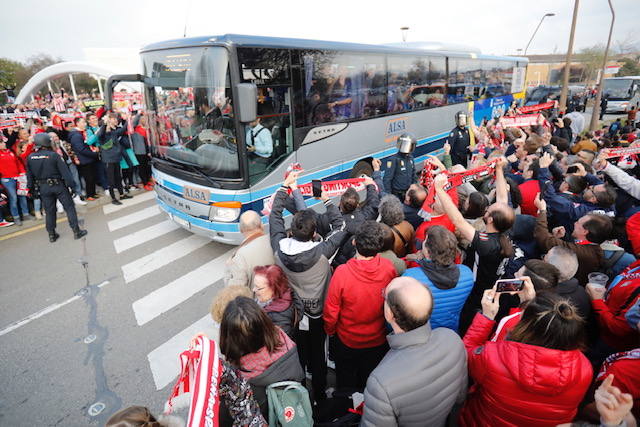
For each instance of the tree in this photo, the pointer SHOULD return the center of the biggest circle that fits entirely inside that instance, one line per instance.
(629, 67)
(629, 44)
(10, 74)
(591, 58)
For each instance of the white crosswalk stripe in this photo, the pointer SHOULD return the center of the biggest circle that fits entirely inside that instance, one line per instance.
(163, 360)
(140, 198)
(139, 237)
(165, 298)
(137, 216)
(160, 258)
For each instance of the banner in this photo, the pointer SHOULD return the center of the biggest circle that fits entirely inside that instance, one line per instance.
(453, 180)
(330, 188)
(94, 103)
(6, 124)
(537, 107)
(126, 96)
(520, 121)
(613, 153)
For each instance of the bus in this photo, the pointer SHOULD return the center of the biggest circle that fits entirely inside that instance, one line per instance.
(332, 107)
(622, 93)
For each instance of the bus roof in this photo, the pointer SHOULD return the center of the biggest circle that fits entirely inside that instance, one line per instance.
(280, 42)
(622, 78)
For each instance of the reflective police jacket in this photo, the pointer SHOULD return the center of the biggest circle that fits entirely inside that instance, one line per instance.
(47, 164)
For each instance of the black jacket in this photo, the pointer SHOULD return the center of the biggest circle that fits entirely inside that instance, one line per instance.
(575, 293)
(305, 263)
(82, 150)
(45, 164)
(459, 140)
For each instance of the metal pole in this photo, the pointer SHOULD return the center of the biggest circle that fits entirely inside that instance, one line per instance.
(73, 87)
(100, 87)
(534, 33)
(595, 115)
(567, 65)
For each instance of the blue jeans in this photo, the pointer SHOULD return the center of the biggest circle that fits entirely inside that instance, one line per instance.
(77, 188)
(11, 184)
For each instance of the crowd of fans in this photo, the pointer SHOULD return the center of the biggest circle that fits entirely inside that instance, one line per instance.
(514, 299)
(104, 152)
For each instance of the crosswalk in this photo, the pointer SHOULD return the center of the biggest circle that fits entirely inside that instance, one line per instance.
(144, 219)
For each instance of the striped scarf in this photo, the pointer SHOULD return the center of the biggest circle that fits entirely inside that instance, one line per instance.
(200, 373)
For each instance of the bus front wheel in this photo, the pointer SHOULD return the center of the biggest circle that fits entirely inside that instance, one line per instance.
(363, 167)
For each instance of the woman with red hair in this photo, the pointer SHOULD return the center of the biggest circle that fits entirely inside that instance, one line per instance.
(274, 295)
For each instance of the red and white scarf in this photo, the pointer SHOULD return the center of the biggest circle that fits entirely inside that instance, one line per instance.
(200, 373)
(628, 355)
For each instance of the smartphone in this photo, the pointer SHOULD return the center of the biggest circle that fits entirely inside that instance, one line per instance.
(509, 285)
(572, 169)
(316, 186)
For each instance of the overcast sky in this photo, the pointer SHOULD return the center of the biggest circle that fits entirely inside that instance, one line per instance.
(64, 27)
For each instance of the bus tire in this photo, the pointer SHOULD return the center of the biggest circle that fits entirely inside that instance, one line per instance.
(363, 167)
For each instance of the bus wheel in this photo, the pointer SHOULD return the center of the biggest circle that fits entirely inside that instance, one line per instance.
(363, 167)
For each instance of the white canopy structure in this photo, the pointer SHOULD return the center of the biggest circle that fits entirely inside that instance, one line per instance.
(61, 69)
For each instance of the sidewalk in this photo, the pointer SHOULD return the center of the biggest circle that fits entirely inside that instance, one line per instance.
(39, 224)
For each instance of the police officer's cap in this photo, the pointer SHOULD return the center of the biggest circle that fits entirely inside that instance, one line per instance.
(42, 140)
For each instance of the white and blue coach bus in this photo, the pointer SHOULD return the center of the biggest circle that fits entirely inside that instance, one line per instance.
(330, 106)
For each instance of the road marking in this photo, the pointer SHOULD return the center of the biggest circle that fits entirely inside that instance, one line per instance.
(165, 298)
(162, 257)
(29, 230)
(138, 216)
(144, 235)
(139, 198)
(39, 314)
(163, 361)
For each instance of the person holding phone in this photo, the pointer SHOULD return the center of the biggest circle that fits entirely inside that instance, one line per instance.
(537, 377)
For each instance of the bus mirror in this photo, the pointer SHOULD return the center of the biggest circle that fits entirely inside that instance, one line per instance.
(247, 102)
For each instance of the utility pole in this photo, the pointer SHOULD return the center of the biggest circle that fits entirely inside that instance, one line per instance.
(567, 65)
(595, 115)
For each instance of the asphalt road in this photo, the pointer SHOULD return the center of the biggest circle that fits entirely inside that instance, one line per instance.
(90, 326)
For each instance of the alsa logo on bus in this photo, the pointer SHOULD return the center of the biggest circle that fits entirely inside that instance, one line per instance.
(196, 194)
(395, 128)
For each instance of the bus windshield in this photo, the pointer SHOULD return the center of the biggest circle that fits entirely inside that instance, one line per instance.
(617, 89)
(191, 120)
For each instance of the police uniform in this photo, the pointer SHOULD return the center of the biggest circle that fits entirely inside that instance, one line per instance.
(400, 170)
(47, 172)
(459, 140)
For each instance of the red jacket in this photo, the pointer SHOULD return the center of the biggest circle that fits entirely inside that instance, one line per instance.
(442, 220)
(529, 189)
(10, 164)
(621, 295)
(633, 232)
(354, 305)
(626, 376)
(519, 384)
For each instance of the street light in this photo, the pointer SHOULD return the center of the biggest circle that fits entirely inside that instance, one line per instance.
(404, 31)
(534, 33)
(596, 106)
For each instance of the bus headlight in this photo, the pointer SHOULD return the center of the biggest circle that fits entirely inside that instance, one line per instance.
(225, 211)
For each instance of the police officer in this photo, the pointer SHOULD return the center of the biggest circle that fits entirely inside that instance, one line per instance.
(401, 171)
(49, 175)
(459, 140)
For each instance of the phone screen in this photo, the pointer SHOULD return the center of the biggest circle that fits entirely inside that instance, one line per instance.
(316, 186)
(572, 169)
(509, 285)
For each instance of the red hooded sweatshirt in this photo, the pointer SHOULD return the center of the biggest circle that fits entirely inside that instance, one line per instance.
(354, 305)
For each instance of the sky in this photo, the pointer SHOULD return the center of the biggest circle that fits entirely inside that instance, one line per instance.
(64, 27)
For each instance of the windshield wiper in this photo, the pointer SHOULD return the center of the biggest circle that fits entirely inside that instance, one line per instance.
(204, 175)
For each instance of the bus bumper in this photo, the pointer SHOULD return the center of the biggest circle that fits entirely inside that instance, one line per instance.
(216, 231)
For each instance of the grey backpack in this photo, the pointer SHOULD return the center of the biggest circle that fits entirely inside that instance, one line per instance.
(289, 405)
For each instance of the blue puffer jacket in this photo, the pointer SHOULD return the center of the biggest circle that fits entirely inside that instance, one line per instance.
(450, 286)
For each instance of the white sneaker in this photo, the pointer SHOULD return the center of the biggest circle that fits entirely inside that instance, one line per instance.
(78, 201)
(59, 206)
